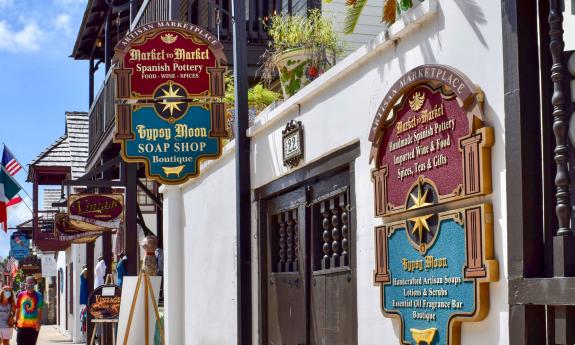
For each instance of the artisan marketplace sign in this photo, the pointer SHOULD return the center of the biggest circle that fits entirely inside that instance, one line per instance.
(175, 72)
(19, 246)
(95, 212)
(66, 232)
(430, 148)
(104, 302)
(432, 291)
(430, 135)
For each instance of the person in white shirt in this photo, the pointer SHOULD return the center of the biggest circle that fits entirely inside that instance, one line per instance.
(99, 272)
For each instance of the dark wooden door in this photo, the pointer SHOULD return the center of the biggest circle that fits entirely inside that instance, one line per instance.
(310, 283)
(286, 302)
(333, 301)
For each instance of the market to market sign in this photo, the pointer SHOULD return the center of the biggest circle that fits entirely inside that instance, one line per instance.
(169, 83)
(431, 148)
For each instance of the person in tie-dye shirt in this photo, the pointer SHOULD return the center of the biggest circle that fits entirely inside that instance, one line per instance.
(29, 306)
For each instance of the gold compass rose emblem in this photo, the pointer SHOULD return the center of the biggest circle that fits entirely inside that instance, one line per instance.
(420, 223)
(169, 99)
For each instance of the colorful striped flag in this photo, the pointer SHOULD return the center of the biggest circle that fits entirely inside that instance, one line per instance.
(8, 190)
(9, 162)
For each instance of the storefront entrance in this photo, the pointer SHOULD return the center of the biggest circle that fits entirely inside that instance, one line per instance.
(308, 287)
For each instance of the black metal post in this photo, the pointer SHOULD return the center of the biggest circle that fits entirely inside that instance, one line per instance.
(108, 40)
(130, 175)
(243, 184)
(133, 10)
(91, 83)
(175, 9)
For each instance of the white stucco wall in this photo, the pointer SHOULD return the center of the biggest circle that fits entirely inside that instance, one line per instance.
(337, 110)
(61, 265)
(76, 255)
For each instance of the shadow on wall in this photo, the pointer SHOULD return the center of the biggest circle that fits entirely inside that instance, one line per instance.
(474, 15)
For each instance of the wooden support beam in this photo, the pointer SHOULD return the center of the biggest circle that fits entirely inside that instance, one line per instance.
(149, 193)
(129, 173)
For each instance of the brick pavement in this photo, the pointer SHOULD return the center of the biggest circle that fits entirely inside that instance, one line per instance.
(49, 335)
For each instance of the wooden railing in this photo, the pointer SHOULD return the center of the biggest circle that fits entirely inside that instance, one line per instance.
(151, 11)
(215, 15)
(101, 115)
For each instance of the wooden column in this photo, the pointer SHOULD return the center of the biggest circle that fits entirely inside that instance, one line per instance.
(523, 177)
(107, 175)
(90, 267)
(35, 206)
(556, 45)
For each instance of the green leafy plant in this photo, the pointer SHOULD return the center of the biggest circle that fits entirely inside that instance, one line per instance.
(259, 97)
(314, 33)
(391, 11)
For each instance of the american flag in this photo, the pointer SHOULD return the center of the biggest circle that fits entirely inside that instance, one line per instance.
(11, 261)
(9, 162)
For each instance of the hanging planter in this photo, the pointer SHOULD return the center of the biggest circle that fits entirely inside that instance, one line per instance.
(302, 49)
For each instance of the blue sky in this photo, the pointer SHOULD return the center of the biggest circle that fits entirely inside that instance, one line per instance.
(39, 81)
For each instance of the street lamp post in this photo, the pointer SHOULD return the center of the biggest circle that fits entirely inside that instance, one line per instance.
(243, 185)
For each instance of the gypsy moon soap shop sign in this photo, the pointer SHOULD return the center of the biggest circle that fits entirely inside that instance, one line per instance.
(170, 82)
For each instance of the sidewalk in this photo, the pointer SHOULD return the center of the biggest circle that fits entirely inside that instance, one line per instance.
(49, 335)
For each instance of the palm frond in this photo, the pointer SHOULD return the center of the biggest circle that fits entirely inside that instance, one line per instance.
(352, 15)
(389, 11)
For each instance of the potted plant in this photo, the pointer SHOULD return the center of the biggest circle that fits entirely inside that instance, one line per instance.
(259, 98)
(301, 49)
(391, 10)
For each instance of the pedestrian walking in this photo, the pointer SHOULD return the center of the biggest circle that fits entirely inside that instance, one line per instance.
(7, 309)
(29, 306)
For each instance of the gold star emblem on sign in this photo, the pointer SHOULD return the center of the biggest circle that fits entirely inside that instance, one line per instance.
(167, 99)
(420, 223)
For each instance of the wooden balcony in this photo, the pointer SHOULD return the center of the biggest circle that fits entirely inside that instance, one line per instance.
(102, 115)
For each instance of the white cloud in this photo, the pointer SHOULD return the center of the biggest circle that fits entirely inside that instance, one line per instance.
(65, 3)
(63, 22)
(26, 39)
(6, 3)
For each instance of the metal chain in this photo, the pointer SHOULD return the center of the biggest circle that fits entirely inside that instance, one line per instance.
(218, 21)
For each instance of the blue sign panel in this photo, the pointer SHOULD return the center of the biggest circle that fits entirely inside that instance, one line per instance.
(172, 150)
(19, 246)
(433, 269)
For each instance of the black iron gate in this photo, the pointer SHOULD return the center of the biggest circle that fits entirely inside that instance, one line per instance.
(539, 158)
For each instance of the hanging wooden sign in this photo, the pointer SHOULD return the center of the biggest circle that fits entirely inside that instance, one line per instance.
(66, 232)
(175, 73)
(430, 128)
(434, 271)
(19, 246)
(104, 302)
(95, 212)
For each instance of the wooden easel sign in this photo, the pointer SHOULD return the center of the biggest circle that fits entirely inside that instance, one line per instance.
(139, 313)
